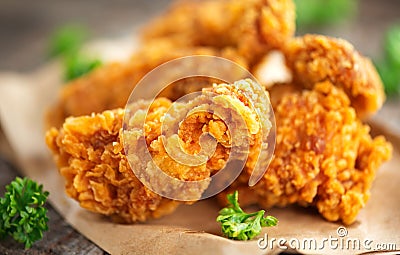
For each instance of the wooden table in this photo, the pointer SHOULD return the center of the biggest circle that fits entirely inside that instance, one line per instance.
(24, 30)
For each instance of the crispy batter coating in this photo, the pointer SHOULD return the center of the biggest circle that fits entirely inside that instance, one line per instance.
(324, 156)
(250, 27)
(316, 58)
(109, 87)
(90, 155)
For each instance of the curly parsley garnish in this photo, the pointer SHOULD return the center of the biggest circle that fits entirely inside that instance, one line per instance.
(22, 214)
(238, 225)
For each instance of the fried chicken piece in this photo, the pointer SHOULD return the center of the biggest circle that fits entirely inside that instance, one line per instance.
(317, 58)
(324, 156)
(237, 30)
(250, 27)
(109, 87)
(90, 154)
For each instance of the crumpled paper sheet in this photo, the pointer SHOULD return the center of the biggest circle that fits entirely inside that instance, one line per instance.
(191, 229)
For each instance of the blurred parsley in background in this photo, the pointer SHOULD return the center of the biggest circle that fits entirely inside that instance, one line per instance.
(323, 12)
(389, 66)
(66, 42)
(77, 65)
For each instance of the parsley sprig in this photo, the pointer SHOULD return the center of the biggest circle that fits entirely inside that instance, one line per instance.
(238, 225)
(22, 214)
(66, 42)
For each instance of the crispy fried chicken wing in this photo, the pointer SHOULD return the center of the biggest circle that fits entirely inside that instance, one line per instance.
(324, 156)
(249, 27)
(317, 58)
(90, 154)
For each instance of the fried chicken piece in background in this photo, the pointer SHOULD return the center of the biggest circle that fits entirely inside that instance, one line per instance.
(90, 154)
(317, 58)
(324, 156)
(253, 28)
(109, 86)
(250, 27)
(240, 31)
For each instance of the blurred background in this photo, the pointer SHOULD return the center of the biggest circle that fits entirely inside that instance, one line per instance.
(25, 28)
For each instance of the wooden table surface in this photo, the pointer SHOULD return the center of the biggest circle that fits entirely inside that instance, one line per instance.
(24, 31)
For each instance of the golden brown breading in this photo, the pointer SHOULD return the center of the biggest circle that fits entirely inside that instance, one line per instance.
(324, 156)
(316, 58)
(109, 87)
(249, 27)
(90, 154)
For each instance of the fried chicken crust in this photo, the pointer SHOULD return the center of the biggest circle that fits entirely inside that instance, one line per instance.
(324, 156)
(250, 27)
(317, 58)
(90, 155)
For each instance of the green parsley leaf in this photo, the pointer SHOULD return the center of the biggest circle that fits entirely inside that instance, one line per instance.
(238, 225)
(66, 43)
(318, 13)
(22, 214)
(388, 68)
(392, 46)
(390, 77)
(67, 40)
(78, 65)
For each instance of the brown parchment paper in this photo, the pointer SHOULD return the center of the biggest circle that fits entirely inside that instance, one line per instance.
(191, 229)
